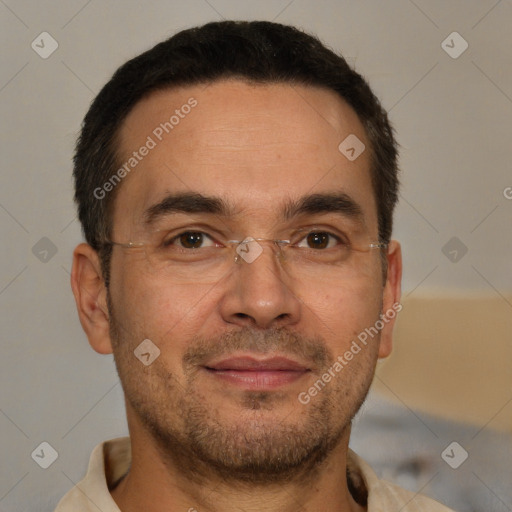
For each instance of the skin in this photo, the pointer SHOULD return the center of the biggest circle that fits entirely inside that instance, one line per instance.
(256, 146)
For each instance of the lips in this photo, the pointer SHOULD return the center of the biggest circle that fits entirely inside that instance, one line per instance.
(251, 364)
(251, 373)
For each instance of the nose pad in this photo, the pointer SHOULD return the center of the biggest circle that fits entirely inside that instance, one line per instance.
(250, 249)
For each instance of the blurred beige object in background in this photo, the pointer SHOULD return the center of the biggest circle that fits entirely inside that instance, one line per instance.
(452, 357)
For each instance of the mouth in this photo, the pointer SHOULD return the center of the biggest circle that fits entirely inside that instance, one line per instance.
(257, 374)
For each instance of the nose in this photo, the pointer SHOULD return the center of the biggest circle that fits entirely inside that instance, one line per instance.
(258, 292)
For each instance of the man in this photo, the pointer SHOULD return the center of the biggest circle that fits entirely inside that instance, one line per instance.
(236, 187)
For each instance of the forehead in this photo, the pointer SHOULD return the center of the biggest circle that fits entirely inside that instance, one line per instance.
(256, 146)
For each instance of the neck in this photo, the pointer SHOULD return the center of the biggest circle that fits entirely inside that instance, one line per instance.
(157, 483)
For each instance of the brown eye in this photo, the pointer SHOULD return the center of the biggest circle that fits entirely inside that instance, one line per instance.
(318, 240)
(191, 240)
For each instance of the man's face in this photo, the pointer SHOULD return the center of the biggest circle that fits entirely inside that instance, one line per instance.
(238, 346)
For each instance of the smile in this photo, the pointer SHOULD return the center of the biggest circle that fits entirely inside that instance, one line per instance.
(253, 374)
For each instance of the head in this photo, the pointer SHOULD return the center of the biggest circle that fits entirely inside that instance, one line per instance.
(241, 124)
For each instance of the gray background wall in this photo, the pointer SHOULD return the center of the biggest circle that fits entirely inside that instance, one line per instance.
(453, 119)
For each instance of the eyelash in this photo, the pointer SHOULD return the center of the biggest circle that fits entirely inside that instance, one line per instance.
(170, 242)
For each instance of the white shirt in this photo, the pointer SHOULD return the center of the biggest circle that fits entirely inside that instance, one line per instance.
(110, 461)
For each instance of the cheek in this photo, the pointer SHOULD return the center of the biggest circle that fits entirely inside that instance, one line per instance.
(160, 311)
(343, 312)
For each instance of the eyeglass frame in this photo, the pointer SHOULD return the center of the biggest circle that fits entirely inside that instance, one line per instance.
(279, 242)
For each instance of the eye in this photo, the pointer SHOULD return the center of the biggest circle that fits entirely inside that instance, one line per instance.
(191, 240)
(319, 240)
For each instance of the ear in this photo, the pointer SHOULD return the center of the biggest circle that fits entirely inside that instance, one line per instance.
(391, 297)
(91, 297)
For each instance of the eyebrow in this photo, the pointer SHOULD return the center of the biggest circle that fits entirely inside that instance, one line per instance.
(193, 202)
(187, 202)
(340, 203)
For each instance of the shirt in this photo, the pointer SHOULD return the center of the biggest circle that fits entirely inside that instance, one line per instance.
(110, 461)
